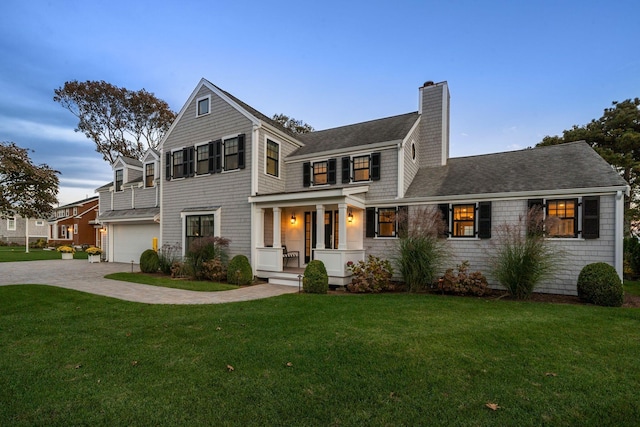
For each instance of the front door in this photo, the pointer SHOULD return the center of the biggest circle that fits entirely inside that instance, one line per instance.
(310, 235)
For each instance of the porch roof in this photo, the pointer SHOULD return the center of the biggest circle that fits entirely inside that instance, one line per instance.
(351, 195)
(141, 214)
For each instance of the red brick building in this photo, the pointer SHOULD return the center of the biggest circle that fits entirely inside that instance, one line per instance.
(75, 224)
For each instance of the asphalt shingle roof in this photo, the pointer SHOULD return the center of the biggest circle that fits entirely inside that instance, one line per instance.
(557, 167)
(381, 130)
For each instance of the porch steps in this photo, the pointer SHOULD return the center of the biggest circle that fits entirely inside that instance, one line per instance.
(287, 279)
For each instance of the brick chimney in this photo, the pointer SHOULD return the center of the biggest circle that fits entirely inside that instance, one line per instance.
(433, 143)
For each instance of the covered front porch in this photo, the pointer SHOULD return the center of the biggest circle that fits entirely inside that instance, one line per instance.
(290, 230)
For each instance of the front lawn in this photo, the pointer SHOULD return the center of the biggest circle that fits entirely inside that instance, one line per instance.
(17, 253)
(70, 358)
(168, 282)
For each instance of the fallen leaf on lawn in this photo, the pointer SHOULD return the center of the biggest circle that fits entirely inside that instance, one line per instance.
(551, 374)
(78, 366)
(492, 406)
(230, 368)
(134, 363)
(289, 364)
(218, 328)
(128, 334)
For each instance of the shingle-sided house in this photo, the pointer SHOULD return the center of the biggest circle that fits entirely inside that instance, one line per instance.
(335, 195)
(75, 223)
(14, 229)
(130, 208)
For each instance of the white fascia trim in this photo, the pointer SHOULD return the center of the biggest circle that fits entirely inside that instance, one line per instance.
(281, 134)
(304, 197)
(151, 153)
(255, 163)
(502, 196)
(352, 151)
(192, 97)
(115, 221)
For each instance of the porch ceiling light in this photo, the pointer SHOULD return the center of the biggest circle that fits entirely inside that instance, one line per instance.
(293, 218)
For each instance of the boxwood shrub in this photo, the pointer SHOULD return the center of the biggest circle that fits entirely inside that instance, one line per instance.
(600, 284)
(239, 271)
(316, 279)
(149, 261)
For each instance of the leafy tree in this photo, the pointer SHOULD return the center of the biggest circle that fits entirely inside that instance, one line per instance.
(26, 189)
(616, 137)
(295, 126)
(118, 120)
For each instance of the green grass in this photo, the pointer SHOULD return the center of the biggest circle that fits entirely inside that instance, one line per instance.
(70, 358)
(631, 287)
(17, 253)
(167, 282)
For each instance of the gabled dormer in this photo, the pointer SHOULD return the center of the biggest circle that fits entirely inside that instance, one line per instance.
(151, 168)
(125, 170)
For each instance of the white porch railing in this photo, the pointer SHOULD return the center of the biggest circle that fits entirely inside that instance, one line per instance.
(269, 259)
(334, 260)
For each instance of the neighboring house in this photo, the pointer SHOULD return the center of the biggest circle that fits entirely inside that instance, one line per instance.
(75, 223)
(129, 208)
(336, 195)
(14, 228)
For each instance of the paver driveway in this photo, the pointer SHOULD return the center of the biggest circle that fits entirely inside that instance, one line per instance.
(83, 276)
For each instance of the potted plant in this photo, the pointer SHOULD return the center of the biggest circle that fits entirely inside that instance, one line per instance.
(66, 251)
(94, 254)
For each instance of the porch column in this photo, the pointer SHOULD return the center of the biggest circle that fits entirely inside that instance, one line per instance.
(260, 228)
(277, 243)
(319, 226)
(342, 218)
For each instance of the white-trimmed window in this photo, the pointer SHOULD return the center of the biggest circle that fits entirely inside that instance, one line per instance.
(467, 220)
(199, 224)
(149, 174)
(178, 166)
(361, 168)
(75, 211)
(203, 106)
(39, 223)
(75, 228)
(571, 217)
(273, 158)
(119, 179)
(231, 154)
(202, 159)
(11, 223)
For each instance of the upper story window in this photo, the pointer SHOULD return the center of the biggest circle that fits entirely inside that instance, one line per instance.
(11, 223)
(178, 164)
(273, 158)
(231, 154)
(202, 159)
(319, 173)
(119, 180)
(149, 174)
(75, 211)
(39, 223)
(203, 106)
(75, 228)
(361, 168)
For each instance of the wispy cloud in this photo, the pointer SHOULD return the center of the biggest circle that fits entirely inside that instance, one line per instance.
(27, 128)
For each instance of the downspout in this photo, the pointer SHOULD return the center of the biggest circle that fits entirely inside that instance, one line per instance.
(619, 234)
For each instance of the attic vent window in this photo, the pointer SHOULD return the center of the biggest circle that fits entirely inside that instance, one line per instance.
(203, 106)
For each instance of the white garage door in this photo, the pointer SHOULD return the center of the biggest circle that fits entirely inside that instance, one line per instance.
(129, 241)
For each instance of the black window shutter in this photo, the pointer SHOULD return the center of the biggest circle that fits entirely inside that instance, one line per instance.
(484, 220)
(371, 222)
(591, 217)
(212, 158)
(306, 174)
(403, 221)
(167, 166)
(241, 152)
(217, 148)
(444, 212)
(535, 217)
(375, 166)
(331, 171)
(191, 161)
(346, 170)
(185, 162)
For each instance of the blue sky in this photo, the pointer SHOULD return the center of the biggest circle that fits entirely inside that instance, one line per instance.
(517, 70)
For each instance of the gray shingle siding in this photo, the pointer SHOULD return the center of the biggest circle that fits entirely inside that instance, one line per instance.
(411, 166)
(229, 190)
(268, 184)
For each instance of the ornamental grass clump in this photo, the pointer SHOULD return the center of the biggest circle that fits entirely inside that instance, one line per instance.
(523, 257)
(420, 251)
(599, 284)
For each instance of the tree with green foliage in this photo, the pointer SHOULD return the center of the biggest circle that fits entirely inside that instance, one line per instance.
(295, 126)
(616, 137)
(120, 121)
(26, 189)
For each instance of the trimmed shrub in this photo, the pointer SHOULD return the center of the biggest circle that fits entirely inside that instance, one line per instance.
(463, 282)
(149, 262)
(374, 275)
(599, 284)
(213, 270)
(239, 271)
(316, 279)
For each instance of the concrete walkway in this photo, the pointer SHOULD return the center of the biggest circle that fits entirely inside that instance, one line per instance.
(83, 276)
